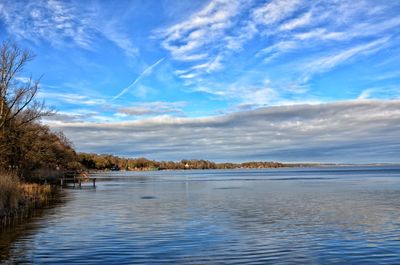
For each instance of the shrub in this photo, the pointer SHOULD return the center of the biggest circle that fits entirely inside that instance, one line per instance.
(10, 192)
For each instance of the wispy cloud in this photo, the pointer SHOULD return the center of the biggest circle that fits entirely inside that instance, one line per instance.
(276, 49)
(62, 24)
(53, 21)
(365, 94)
(324, 23)
(71, 116)
(275, 11)
(392, 92)
(386, 76)
(242, 95)
(324, 64)
(153, 108)
(121, 40)
(297, 22)
(71, 98)
(195, 71)
(260, 94)
(23, 79)
(324, 34)
(206, 27)
(145, 72)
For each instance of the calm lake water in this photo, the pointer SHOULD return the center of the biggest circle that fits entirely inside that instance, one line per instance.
(348, 215)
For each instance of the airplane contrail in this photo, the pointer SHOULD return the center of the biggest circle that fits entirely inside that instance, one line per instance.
(144, 73)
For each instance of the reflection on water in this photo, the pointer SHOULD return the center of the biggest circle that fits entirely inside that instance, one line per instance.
(31, 225)
(279, 216)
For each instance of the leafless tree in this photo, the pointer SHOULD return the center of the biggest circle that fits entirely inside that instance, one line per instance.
(18, 103)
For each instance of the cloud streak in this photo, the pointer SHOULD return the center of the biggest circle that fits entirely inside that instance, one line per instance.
(324, 64)
(72, 98)
(153, 108)
(145, 72)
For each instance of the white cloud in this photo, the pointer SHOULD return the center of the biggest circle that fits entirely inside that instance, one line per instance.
(23, 79)
(256, 95)
(210, 66)
(54, 21)
(70, 116)
(121, 40)
(352, 131)
(386, 76)
(357, 30)
(153, 108)
(242, 95)
(62, 23)
(326, 63)
(207, 26)
(197, 70)
(388, 91)
(276, 49)
(188, 76)
(222, 28)
(71, 98)
(317, 37)
(321, 34)
(323, 23)
(275, 11)
(297, 22)
(142, 91)
(365, 94)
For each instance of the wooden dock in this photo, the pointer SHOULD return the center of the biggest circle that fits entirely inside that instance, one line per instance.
(76, 179)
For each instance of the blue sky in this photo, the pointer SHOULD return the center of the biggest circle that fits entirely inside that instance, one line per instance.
(158, 67)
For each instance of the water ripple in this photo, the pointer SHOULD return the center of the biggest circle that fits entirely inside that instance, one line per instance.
(324, 216)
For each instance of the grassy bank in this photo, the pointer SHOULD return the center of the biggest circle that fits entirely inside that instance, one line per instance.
(17, 199)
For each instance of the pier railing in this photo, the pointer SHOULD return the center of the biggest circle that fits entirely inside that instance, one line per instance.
(76, 179)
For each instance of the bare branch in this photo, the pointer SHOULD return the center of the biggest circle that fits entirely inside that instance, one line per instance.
(17, 102)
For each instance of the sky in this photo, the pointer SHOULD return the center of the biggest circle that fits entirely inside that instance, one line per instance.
(224, 80)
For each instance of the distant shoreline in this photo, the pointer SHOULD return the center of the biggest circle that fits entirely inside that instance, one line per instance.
(107, 162)
(244, 168)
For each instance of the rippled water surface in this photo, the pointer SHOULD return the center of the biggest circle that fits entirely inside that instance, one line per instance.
(277, 216)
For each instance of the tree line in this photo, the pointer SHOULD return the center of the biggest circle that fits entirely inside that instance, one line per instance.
(26, 144)
(110, 162)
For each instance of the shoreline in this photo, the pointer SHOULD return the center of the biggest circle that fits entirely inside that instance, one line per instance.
(29, 197)
(286, 166)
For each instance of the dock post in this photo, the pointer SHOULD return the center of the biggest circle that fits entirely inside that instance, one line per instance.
(80, 183)
(94, 182)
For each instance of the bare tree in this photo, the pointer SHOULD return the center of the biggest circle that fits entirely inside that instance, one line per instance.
(18, 103)
(19, 108)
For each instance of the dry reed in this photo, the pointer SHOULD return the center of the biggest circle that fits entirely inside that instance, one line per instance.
(18, 198)
(10, 192)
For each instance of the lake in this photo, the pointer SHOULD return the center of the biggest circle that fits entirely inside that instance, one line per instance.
(342, 215)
